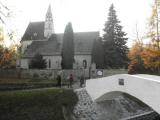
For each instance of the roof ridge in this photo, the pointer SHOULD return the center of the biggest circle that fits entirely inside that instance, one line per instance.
(80, 32)
(36, 22)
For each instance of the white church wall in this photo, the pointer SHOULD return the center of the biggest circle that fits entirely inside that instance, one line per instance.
(25, 44)
(24, 63)
(79, 60)
(55, 62)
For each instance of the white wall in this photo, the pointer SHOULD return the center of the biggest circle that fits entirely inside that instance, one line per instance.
(144, 87)
(55, 61)
(25, 44)
(79, 60)
(24, 63)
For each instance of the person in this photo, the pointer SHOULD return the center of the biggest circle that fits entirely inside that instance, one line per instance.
(81, 81)
(58, 81)
(70, 80)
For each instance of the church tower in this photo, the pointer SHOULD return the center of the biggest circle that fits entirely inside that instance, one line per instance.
(48, 26)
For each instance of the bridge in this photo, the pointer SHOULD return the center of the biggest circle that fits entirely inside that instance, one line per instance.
(146, 88)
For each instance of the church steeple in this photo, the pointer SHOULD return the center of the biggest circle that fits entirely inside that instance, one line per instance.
(48, 27)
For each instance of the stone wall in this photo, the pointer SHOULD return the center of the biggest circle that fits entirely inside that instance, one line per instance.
(51, 74)
(106, 72)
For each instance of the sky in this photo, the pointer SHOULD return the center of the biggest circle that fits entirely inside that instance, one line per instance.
(85, 15)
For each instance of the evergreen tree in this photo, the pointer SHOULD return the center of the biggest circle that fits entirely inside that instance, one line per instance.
(115, 42)
(38, 62)
(98, 53)
(68, 48)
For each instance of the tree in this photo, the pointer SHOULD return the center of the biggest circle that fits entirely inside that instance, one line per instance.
(151, 58)
(7, 57)
(4, 12)
(98, 53)
(135, 57)
(115, 42)
(38, 62)
(153, 26)
(151, 54)
(68, 48)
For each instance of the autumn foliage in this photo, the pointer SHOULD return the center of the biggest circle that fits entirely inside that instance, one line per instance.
(151, 57)
(7, 57)
(144, 59)
(136, 61)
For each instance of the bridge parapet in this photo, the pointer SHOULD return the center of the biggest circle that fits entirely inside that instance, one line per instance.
(144, 87)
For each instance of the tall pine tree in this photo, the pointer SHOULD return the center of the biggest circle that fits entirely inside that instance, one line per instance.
(115, 42)
(98, 53)
(68, 48)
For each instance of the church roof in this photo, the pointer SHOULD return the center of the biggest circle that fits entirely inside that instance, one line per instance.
(46, 47)
(83, 42)
(34, 31)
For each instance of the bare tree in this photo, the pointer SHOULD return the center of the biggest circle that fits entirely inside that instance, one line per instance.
(4, 12)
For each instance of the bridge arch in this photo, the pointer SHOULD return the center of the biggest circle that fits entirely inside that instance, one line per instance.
(146, 88)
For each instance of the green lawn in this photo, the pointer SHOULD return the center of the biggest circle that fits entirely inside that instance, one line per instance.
(16, 80)
(18, 84)
(43, 104)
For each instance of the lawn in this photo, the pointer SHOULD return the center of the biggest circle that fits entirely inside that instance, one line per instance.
(42, 104)
(18, 84)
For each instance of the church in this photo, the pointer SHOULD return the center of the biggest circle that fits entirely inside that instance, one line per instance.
(40, 37)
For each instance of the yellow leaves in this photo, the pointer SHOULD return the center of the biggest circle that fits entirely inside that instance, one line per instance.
(144, 58)
(7, 58)
(136, 63)
(135, 51)
(151, 57)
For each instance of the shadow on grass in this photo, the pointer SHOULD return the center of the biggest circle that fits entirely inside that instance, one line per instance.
(43, 104)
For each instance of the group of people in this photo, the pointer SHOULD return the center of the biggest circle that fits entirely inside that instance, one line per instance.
(69, 80)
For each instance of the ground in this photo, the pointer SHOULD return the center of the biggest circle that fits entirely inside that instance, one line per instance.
(18, 84)
(38, 104)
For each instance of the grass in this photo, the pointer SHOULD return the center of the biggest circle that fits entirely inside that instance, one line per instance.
(14, 80)
(44, 104)
(18, 84)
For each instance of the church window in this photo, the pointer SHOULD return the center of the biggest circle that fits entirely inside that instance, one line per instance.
(85, 64)
(35, 34)
(49, 63)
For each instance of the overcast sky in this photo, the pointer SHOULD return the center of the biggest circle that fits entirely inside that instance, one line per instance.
(85, 15)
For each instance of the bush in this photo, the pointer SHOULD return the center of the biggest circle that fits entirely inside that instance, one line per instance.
(38, 62)
(35, 76)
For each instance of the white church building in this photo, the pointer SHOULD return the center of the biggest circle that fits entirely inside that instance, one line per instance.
(40, 37)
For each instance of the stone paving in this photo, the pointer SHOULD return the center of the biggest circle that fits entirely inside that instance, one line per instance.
(85, 108)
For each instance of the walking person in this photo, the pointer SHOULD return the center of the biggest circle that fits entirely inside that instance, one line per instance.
(70, 80)
(58, 81)
(81, 81)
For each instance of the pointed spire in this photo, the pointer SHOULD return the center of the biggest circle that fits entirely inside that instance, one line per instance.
(49, 11)
(48, 27)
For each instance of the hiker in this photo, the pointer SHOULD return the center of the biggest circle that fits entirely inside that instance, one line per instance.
(81, 81)
(58, 81)
(70, 80)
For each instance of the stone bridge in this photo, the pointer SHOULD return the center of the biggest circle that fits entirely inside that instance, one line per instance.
(146, 88)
